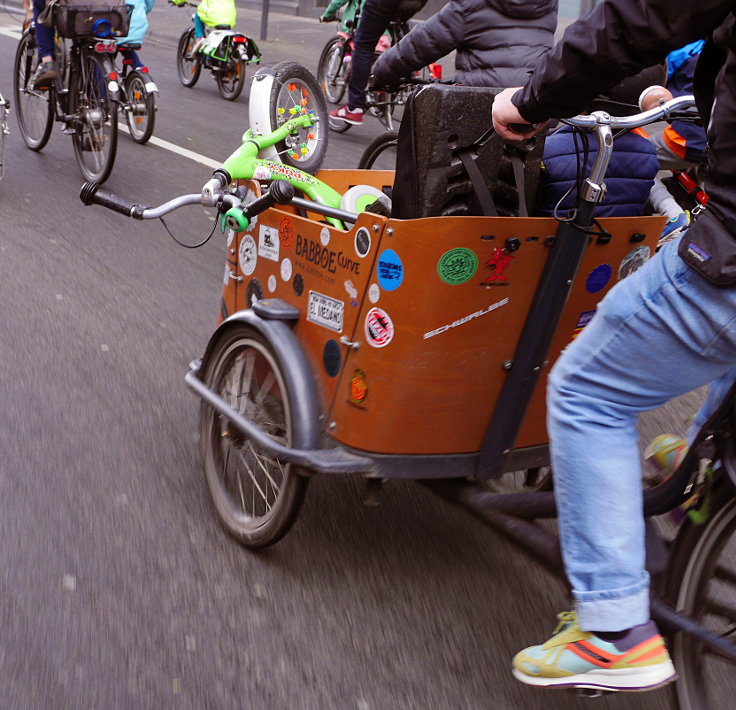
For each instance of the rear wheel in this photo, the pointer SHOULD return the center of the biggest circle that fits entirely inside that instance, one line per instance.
(231, 81)
(257, 496)
(333, 70)
(33, 108)
(702, 584)
(141, 108)
(95, 136)
(380, 154)
(187, 66)
(295, 91)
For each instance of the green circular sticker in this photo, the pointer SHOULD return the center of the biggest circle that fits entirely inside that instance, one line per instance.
(457, 266)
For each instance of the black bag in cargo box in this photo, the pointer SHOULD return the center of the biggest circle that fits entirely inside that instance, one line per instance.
(77, 18)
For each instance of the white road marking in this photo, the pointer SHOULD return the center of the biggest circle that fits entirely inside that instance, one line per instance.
(14, 33)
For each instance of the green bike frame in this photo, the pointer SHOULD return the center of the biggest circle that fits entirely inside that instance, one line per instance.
(244, 164)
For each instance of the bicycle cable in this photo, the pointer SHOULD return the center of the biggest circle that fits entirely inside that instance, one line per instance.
(190, 246)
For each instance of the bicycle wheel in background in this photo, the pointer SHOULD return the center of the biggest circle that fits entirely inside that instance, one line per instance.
(95, 136)
(380, 154)
(33, 108)
(230, 82)
(257, 496)
(702, 585)
(187, 66)
(141, 111)
(295, 90)
(332, 73)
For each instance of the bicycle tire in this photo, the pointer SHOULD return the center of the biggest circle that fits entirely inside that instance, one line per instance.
(141, 112)
(293, 84)
(188, 68)
(256, 513)
(332, 81)
(95, 120)
(231, 81)
(33, 108)
(703, 568)
(378, 148)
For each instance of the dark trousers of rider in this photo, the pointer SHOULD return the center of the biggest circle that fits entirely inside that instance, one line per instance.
(375, 17)
(44, 35)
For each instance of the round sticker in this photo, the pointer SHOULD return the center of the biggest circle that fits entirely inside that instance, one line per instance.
(286, 233)
(247, 254)
(633, 261)
(324, 236)
(286, 269)
(390, 270)
(358, 387)
(332, 358)
(457, 266)
(374, 293)
(362, 242)
(271, 283)
(379, 330)
(598, 278)
(298, 284)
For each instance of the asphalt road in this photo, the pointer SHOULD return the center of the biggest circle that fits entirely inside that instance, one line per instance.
(119, 588)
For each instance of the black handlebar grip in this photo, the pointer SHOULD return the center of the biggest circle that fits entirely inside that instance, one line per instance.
(90, 194)
(280, 191)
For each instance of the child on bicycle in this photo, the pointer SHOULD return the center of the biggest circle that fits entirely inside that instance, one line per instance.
(352, 8)
(210, 13)
(137, 29)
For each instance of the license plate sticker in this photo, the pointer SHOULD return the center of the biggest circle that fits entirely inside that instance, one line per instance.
(325, 311)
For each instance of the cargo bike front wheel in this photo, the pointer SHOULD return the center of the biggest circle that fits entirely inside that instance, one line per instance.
(257, 496)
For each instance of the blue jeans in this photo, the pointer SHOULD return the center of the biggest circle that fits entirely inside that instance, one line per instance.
(375, 17)
(44, 35)
(659, 333)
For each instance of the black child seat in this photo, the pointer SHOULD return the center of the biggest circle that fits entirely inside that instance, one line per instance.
(450, 162)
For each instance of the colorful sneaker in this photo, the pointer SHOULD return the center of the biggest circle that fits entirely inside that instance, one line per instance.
(574, 658)
(195, 47)
(663, 455)
(674, 227)
(345, 113)
(44, 76)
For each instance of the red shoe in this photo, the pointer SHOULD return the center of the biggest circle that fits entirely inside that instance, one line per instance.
(344, 113)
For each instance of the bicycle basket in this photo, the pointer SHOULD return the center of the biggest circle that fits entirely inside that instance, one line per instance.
(79, 18)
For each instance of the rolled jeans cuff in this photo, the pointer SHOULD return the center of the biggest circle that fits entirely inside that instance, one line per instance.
(613, 610)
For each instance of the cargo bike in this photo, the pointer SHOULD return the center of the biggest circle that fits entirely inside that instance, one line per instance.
(352, 342)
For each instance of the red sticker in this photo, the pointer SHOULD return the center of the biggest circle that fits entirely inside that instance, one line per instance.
(497, 265)
(286, 233)
(379, 329)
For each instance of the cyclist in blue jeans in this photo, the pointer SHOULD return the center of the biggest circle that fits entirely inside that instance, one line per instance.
(45, 74)
(375, 17)
(667, 329)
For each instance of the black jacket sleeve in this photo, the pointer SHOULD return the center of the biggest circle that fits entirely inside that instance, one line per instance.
(616, 40)
(425, 43)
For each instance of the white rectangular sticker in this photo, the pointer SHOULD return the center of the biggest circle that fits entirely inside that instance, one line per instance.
(325, 311)
(268, 242)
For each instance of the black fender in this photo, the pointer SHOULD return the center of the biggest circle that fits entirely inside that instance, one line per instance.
(295, 369)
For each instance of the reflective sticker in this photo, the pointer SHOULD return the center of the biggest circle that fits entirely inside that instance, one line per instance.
(286, 233)
(457, 266)
(325, 311)
(390, 270)
(465, 319)
(271, 283)
(362, 242)
(332, 358)
(268, 243)
(358, 387)
(324, 236)
(379, 329)
(633, 261)
(286, 269)
(112, 86)
(374, 293)
(247, 255)
(598, 278)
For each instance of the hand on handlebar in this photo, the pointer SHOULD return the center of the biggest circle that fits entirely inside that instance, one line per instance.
(507, 120)
(328, 18)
